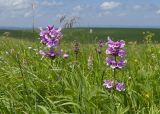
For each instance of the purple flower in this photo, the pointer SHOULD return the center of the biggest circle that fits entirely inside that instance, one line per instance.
(46, 31)
(116, 49)
(115, 52)
(111, 61)
(100, 43)
(50, 27)
(114, 64)
(115, 61)
(108, 84)
(112, 51)
(117, 44)
(120, 86)
(55, 33)
(51, 54)
(50, 36)
(121, 53)
(44, 39)
(43, 32)
(52, 43)
(121, 63)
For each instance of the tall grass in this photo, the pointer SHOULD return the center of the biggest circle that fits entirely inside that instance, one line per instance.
(29, 85)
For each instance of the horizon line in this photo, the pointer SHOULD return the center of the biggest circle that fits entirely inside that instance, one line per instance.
(114, 26)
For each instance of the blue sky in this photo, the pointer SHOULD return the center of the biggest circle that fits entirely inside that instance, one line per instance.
(96, 13)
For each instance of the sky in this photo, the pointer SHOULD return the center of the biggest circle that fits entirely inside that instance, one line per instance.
(91, 13)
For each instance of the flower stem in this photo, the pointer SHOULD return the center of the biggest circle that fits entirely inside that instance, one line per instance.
(114, 82)
(114, 71)
(76, 56)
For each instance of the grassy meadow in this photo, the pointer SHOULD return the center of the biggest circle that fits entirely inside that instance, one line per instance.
(83, 35)
(31, 85)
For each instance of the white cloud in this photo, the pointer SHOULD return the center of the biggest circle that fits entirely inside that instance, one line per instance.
(102, 14)
(109, 5)
(15, 4)
(77, 8)
(144, 7)
(51, 3)
(19, 8)
(158, 12)
(136, 7)
(15, 8)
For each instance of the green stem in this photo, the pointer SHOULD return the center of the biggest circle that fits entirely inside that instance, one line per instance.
(76, 56)
(114, 71)
(114, 77)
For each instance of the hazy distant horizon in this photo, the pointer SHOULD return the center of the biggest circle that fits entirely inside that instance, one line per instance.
(113, 26)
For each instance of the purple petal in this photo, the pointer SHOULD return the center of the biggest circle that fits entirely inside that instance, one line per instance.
(121, 63)
(120, 86)
(108, 84)
(121, 53)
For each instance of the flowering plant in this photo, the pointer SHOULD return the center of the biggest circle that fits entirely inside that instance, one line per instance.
(115, 60)
(50, 38)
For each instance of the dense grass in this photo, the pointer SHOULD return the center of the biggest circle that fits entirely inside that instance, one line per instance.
(82, 34)
(33, 86)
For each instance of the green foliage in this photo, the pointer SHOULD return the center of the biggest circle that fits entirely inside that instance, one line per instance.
(29, 85)
(148, 37)
(83, 35)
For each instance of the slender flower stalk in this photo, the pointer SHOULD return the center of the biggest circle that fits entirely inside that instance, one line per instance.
(100, 45)
(76, 49)
(116, 60)
(114, 70)
(90, 62)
